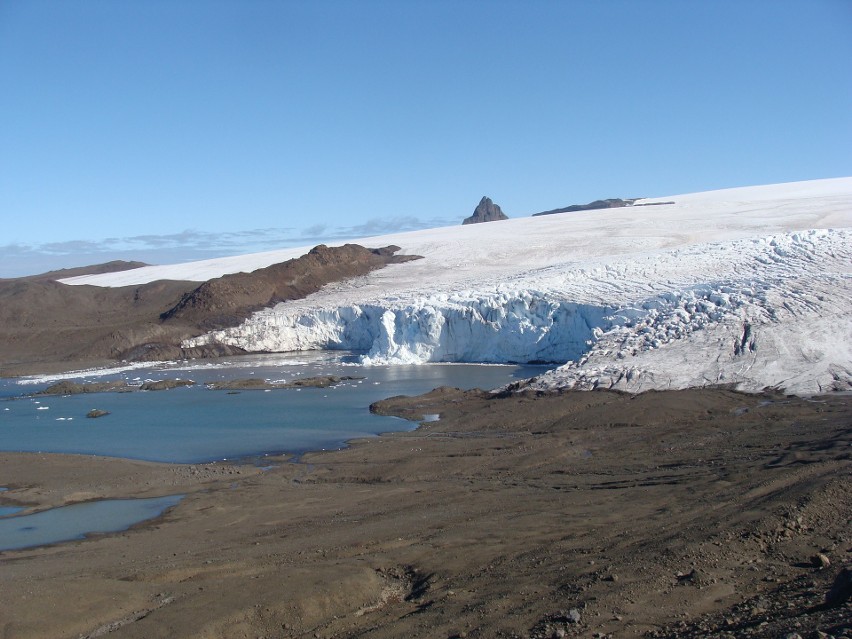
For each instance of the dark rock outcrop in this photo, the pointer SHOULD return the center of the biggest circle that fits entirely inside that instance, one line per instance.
(612, 203)
(841, 589)
(486, 211)
(166, 384)
(254, 383)
(322, 381)
(67, 387)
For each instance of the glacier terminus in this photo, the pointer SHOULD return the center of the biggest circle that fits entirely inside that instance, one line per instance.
(748, 287)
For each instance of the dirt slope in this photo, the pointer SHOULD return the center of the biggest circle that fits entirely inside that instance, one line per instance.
(227, 300)
(106, 267)
(46, 325)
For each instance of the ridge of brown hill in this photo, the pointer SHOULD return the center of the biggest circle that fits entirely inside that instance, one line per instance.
(46, 325)
(49, 326)
(92, 269)
(228, 300)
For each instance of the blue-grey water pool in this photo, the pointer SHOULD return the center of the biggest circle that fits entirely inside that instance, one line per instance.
(78, 520)
(195, 424)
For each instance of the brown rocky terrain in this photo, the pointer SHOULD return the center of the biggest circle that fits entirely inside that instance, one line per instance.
(228, 300)
(699, 513)
(47, 326)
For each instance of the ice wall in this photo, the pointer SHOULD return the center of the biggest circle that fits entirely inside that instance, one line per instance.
(498, 327)
(525, 326)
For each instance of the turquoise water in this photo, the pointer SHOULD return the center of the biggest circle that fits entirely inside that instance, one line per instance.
(195, 424)
(78, 520)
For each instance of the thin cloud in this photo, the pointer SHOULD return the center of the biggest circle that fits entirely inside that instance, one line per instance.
(383, 226)
(211, 240)
(317, 230)
(18, 259)
(66, 248)
(375, 226)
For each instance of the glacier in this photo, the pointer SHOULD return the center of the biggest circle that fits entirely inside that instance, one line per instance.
(629, 331)
(749, 287)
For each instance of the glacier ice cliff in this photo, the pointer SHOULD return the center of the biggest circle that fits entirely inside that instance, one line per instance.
(494, 328)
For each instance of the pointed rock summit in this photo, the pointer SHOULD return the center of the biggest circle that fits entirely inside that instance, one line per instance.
(486, 211)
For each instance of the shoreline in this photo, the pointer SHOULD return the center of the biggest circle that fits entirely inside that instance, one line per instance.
(581, 513)
(41, 481)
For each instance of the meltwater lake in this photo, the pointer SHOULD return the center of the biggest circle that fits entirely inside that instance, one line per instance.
(195, 424)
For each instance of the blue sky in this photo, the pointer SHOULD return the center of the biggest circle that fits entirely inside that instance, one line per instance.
(167, 130)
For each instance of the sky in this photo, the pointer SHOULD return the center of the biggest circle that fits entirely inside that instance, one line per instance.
(171, 130)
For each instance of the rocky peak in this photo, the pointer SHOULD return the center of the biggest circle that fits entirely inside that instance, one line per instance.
(486, 211)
